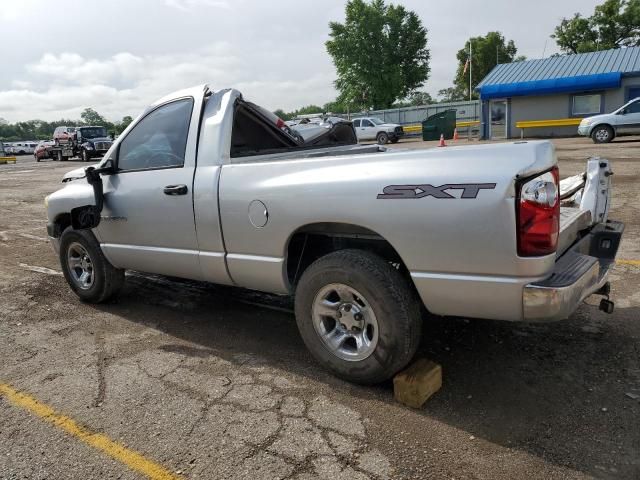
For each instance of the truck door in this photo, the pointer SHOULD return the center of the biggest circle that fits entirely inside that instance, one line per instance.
(147, 220)
(367, 129)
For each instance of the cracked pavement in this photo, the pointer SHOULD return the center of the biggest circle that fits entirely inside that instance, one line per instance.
(213, 382)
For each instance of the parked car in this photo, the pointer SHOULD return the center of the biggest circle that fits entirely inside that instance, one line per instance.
(205, 185)
(606, 127)
(372, 128)
(43, 150)
(63, 134)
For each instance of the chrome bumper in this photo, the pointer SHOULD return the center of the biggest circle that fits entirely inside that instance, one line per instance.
(580, 272)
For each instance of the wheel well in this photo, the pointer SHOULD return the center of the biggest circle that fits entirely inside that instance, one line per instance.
(593, 129)
(313, 241)
(61, 222)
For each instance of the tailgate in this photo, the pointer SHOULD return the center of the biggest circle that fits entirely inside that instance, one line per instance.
(585, 200)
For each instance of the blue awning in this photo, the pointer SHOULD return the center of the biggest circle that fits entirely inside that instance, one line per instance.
(580, 83)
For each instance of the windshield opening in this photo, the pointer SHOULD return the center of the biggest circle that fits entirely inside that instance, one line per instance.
(93, 132)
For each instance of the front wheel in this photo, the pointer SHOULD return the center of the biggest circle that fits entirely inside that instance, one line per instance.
(382, 138)
(358, 316)
(85, 156)
(87, 271)
(602, 134)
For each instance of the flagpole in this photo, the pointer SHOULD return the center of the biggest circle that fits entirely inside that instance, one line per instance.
(470, 67)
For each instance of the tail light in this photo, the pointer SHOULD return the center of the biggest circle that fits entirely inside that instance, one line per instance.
(538, 214)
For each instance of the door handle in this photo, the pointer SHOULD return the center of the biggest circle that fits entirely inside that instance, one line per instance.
(175, 190)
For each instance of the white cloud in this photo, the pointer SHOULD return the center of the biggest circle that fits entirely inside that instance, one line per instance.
(125, 54)
(124, 83)
(188, 5)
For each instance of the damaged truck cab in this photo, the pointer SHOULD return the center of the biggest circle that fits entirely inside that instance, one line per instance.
(207, 186)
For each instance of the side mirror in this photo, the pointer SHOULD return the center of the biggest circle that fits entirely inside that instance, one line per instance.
(107, 168)
(88, 216)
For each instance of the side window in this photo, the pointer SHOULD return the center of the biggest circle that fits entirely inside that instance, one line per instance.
(633, 108)
(366, 123)
(356, 123)
(159, 140)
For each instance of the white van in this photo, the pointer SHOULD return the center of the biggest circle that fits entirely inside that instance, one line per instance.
(23, 148)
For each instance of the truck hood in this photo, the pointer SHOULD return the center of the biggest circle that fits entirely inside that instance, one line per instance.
(76, 174)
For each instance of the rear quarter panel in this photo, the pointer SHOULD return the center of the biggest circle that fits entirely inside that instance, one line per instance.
(457, 237)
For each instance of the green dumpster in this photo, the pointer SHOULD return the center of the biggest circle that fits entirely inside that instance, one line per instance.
(441, 123)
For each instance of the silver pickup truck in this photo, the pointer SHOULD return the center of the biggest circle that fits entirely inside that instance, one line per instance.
(207, 186)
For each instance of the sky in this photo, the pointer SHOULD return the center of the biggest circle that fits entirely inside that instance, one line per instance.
(117, 56)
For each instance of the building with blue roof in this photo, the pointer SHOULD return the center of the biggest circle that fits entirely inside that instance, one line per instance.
(548, 97)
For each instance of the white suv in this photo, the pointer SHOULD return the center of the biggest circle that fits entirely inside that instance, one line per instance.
(604, 128)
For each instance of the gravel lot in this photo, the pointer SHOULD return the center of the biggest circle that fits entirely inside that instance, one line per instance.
(207, 383)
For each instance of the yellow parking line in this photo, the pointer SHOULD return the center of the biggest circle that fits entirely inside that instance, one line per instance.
(629, 262)
(130, 458)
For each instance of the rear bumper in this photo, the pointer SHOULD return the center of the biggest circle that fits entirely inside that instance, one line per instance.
(578, 273)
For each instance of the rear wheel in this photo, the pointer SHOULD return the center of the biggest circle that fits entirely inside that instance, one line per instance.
(87, 271)
(382, 138)
(602, 134)
(395, 140)
(59, 155)
(36, 158)
(358, 316)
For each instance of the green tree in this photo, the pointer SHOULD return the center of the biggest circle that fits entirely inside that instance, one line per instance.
(486, 53)
(91, 117)
(415, 99)
(309, 109)
(123, 124)
(282, 114)
(335, 107)
(380, 54)
(451, 94)
(614, 24)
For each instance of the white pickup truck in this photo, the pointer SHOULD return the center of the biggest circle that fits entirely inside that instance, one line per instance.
(372, 128)
(207, 186)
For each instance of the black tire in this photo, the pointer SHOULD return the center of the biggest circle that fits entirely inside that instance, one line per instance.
(388, 294)
(395, 140)
(602, 134)
(382, 138)
(59, 155)
(36, 157)
(85, 155)
(107, 280)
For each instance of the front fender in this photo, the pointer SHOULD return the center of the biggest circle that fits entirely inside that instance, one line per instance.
(72, 195)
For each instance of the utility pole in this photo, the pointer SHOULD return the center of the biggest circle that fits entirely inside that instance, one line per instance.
(470, 68)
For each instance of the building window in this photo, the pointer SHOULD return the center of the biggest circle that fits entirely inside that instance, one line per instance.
(586, 104)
